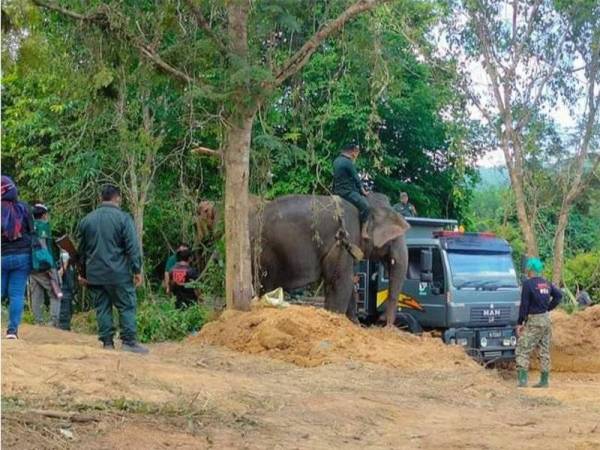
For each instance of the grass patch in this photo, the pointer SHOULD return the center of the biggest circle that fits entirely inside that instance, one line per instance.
(158, 320)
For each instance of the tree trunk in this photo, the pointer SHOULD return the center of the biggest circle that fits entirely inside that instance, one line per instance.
(515, 171)
(559, 245)
(138, 219)
(238, 277)
(524, 220)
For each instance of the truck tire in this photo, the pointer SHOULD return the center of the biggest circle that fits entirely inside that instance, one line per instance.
(409, 323)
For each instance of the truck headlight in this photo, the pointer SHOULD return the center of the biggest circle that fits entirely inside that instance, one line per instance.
(483, 342)
(462, 341)
(452, 341)
(506, 342)
(513, 341)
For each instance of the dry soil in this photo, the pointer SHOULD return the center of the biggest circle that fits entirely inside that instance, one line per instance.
(293, 378)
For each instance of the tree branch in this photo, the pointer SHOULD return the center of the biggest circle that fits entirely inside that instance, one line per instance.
(101, 17)
(208, 152)
(205, 25)
(161, 64)
(92, 17)
(518, 50)
(301, 57)
(525, 118)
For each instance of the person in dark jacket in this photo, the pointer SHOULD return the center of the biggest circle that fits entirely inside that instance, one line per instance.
(538, 298)
(181, 273)
(17, 230)
(110, 250)
(348, 185)
(66, 272)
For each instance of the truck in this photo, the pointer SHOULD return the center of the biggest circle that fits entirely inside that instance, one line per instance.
(463, 286)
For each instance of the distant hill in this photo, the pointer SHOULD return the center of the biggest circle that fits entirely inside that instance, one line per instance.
(492, 177)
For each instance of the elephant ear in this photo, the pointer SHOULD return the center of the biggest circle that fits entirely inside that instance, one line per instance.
(387, 226)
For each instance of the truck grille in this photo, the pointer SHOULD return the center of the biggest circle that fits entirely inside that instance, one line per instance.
(485, 315)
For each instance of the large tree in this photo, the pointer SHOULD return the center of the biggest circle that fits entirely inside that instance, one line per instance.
(230, 54)
(511, 53)
(583, 31)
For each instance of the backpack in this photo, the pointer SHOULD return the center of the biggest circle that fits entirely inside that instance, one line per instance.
(41, 259)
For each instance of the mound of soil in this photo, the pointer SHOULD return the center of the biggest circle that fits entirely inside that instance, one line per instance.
(576, 340)
(308, 337)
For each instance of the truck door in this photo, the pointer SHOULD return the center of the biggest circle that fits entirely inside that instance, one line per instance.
(426, 290)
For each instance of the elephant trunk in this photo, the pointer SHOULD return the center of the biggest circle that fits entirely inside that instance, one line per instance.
(397, 267)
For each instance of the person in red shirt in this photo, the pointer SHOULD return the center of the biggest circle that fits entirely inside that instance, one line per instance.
(181, 274)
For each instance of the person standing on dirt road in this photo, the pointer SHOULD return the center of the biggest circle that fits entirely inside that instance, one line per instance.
(47, 281)
(538, 298)
(110, 250)
(17, 237)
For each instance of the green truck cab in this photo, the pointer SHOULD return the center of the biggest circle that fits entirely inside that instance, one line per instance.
(462, 284)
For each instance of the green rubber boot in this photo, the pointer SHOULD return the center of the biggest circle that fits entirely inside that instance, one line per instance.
(543, 380)
(522, 378)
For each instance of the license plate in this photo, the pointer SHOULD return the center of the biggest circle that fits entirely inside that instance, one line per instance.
(495, 334)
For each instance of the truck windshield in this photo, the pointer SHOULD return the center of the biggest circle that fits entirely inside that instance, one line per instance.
(482, 271)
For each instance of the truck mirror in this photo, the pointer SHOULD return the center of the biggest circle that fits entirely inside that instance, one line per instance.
(426, 261)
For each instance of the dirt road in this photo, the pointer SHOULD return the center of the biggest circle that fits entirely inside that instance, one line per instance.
(190, 396)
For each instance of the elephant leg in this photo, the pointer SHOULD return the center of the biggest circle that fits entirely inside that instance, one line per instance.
(337, 274)
(351, 311)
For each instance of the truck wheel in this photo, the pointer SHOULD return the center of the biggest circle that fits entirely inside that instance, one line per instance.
(408, 322)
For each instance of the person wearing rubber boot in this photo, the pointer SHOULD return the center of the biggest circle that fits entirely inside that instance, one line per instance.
(348, 185)
(110, 249)
(538, 298)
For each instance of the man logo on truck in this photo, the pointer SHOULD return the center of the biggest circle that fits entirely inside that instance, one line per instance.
(491, 313)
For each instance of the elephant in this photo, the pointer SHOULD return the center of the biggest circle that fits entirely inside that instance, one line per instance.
(297, 240)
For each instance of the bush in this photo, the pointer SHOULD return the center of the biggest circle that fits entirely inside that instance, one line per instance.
(583, 270)
(158, 320)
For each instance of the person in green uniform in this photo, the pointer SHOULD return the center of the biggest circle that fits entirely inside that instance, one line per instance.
(405, 208)
(45, 282)
(347, 184)
(171, 261)
(112, 261)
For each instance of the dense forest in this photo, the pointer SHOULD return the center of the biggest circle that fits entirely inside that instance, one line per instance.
(147, 95)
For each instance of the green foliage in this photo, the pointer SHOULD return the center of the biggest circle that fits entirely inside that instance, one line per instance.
(158, 320)
(493, 209)
(583, 271)
(81, 108)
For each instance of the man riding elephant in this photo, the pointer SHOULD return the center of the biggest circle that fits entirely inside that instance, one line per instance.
(348, 185)
(300, 239)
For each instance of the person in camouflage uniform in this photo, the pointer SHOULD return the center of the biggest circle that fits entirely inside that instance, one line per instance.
(538, 298)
